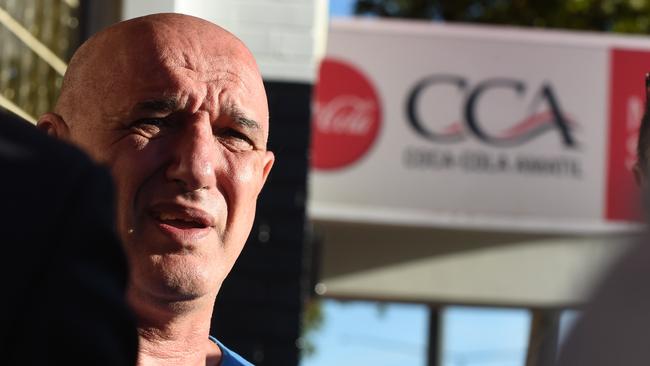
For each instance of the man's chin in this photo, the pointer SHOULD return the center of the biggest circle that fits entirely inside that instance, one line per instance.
(172, 295)
(177, 278)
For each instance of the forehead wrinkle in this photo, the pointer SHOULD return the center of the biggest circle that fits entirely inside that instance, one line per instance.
(215, 72)
(191, 49)
(212, 78)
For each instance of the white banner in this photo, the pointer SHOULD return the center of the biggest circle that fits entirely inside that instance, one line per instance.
(438, 125)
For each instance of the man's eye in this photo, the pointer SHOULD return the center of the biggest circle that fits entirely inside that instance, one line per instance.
(152, 122)
(236, 140)
(151, 127)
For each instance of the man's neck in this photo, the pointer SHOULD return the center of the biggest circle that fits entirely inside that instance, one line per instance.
(175, 333)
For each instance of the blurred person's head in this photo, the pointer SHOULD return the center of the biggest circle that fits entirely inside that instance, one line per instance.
(176, 107)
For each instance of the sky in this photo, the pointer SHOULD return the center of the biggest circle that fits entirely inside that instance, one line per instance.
(367, 333)
(361, 333)
(485, 336)
(341, 7)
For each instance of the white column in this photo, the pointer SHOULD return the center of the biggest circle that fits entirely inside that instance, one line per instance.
(137, 8)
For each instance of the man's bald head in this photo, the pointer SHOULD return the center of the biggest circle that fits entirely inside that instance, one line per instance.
(101, 64)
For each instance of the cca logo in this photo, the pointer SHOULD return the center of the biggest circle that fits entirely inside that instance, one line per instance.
(519, 133)
(346, 117)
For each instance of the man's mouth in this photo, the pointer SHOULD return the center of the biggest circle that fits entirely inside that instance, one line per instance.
(182, 223)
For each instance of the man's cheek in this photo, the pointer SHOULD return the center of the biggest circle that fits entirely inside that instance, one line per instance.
(128, 176)
(244, 172)
(246, 168)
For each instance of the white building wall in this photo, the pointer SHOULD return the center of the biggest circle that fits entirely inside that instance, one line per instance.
(136, 8)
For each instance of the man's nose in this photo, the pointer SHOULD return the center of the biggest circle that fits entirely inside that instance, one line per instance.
(194, 158)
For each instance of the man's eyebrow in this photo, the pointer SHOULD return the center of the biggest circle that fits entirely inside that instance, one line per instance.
(240, 118)
(158, 105)
(247, 123)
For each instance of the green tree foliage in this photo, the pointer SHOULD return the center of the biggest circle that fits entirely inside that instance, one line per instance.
(312, 320)
(624, 16)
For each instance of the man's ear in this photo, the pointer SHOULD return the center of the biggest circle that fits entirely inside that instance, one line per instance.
(54, 125)
(269, 159)
(639, 177)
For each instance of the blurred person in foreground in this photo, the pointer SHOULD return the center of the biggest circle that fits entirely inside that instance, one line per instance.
(64, 272)
(614, 328)
(176, 107)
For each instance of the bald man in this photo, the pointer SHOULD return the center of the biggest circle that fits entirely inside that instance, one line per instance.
(176, 108)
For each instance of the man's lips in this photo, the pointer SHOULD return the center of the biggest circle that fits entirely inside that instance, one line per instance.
(185, 216)
(182, 223)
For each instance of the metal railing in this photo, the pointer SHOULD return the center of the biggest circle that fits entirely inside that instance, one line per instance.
(37, 37)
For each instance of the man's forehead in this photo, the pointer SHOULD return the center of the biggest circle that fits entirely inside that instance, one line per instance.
(144, 59)
(196, 45)
(167, 92)
(145, 46)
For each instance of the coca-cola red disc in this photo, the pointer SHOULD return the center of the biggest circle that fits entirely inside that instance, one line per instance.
(346, 117)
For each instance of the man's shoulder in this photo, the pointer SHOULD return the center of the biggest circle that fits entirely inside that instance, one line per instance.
(228, 357)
